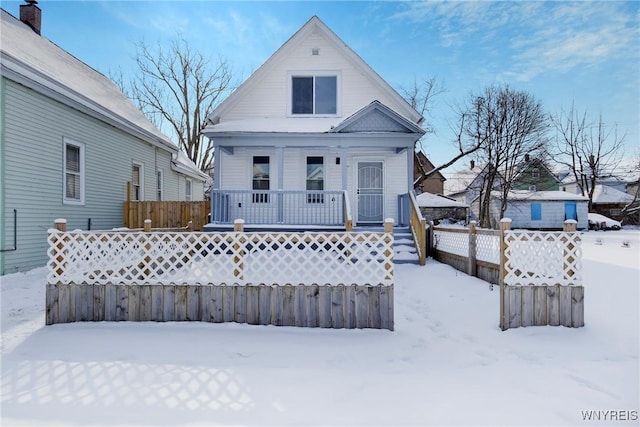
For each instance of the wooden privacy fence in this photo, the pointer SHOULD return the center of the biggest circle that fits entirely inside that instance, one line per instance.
(164, 214)
(540, 273)
(305, 279)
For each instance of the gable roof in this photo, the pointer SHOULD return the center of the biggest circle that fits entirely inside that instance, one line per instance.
(312, 27)
(425, 165)
(377, 117)
(535, 163)
(464, 179)
(40, 64)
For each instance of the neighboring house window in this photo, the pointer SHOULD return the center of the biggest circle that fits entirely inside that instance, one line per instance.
(314, 95)
(315, 179)
(535, 173)
(615, 212)
(73, 173)
(260, 179)
(188, 190)
(137, 184)
(160, 184)
(536, 211)
(532, 188)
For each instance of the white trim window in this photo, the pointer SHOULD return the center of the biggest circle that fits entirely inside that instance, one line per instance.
(314, 94)
(188, 190)
(137, 181)
(160, 185)
(74, 179)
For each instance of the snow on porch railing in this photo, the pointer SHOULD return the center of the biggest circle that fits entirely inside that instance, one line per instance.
(218, 258)
(539, 258)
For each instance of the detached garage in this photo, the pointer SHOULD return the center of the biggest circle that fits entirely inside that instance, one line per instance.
(541, 210)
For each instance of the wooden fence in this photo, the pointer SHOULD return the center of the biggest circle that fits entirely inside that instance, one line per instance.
(352, 306)
(539, 273)
(164, 214)
(333, 280)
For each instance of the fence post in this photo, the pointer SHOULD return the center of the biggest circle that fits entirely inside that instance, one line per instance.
(238, 228)
(471, 266)
(505, 225)
(569, 226)
(60, 224)
(147, 247)
(127, 208)
(190, 226)
(147, 225)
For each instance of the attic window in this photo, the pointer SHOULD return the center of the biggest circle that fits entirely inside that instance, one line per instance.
(315, 51)
(535, 173)
(314, 95)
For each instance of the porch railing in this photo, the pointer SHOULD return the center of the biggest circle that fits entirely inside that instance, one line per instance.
(279, 207)
(418, 228)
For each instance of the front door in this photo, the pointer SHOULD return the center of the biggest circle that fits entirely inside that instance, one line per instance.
(369, 193)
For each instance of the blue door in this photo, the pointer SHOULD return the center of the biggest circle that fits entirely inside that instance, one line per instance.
(570, 211)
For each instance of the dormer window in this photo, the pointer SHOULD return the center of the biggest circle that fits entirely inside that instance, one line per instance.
(314, 94)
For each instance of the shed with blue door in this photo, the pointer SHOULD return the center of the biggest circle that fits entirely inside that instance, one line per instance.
(541, 210)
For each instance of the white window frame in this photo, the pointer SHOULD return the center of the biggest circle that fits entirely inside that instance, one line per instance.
(159, 184)
(81, 173)
(312, 73)
(141, 184)
(188, 189)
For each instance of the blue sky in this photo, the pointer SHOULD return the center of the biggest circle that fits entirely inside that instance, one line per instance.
(561, 52)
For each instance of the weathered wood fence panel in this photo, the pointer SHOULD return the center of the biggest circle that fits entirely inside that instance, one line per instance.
(540, 305)
(166, 214)
(486, 271)
(341, 306)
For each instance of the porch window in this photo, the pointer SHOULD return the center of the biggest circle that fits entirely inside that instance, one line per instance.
(73, 173)
(536, 212)
(260, 178)
(315, 179)
(314, 95)
(137, 181)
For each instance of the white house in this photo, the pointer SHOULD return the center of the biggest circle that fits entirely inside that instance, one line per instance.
(70, 141)
(540, 210)
(311, 134)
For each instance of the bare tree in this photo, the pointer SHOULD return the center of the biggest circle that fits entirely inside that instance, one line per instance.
(507, 125)
(421, 97)
(590, 151)
(179, 87)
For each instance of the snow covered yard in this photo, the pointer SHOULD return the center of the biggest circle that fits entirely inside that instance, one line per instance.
(447, 362)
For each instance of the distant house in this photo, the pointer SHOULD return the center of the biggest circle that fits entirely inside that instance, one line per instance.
(609, 201)
(467, 185)
(309, 135)
(433, 184)
(534, 175)
(540, 210)
(70, 143)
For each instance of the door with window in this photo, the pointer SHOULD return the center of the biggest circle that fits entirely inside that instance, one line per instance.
(370, 193)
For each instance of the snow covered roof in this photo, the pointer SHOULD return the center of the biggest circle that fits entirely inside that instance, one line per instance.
(183, 164)
(40, 64)
(540, 195)
(268, 125)
(430, 200)
(460, 181)
(606, 194)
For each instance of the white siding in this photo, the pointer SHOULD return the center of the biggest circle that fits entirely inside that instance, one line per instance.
(269, 97)
(553, 214)
(32, 143)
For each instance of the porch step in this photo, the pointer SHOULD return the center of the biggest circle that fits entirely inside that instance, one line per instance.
(404, 249)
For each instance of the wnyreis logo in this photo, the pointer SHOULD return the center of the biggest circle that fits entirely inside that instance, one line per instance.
(610, 415)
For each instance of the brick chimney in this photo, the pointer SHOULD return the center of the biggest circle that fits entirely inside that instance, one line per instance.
(31, 15)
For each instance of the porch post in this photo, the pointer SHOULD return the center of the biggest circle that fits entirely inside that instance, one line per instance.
(343, 162)
(280, 183)
(409, 169)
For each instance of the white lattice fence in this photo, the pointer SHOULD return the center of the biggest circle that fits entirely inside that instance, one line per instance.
(215, 258)
(488, 246)
(538, 258)
(454, 242)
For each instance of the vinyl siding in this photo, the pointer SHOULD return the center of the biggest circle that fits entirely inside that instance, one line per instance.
(553, 214)
(34, 130)
(269, 97)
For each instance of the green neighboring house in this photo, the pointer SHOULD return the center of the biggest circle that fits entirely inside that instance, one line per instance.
(535, 176)
(70, 141)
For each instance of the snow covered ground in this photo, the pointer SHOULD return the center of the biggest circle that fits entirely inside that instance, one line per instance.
(447, 362)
